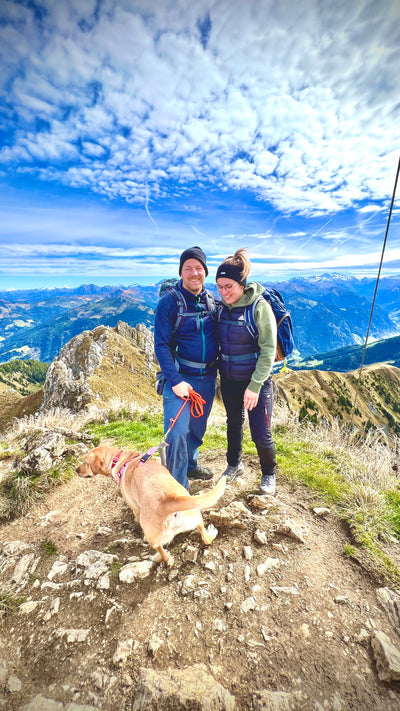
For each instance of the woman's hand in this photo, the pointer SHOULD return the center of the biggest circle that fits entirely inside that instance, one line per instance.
(182, 389)
(250, 399)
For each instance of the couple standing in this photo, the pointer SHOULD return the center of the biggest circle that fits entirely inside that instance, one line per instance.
(190, 334)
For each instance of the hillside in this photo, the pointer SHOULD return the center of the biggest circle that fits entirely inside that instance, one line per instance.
(320, 394)
(349, 358)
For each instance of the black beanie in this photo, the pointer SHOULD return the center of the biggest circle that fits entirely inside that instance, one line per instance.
(193, 253)
(231, 271)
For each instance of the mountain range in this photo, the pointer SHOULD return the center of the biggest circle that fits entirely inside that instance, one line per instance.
(328, 312)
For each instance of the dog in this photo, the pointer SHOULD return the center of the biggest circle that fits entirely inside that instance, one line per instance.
(160, 504)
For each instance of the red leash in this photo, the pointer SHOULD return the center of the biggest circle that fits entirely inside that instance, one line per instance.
(196, 408)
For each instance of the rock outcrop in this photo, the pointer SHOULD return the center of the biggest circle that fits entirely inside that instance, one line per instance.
(98, 365)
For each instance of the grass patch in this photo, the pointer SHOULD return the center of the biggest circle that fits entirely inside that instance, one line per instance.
(9, 601)
(115, 567)
(140, 433)
(348, 550)
(320, 471)
(48, 547)
(20, 490)
(393, 503)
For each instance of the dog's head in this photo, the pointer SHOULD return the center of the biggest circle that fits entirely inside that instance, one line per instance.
(97, 461)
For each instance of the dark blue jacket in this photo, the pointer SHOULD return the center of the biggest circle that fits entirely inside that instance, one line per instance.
(192, 347)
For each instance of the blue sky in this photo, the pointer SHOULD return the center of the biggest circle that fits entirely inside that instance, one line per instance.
(131, 130)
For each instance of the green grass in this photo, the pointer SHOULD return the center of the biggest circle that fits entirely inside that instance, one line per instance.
(48, 547)
(20, 490)
(348, 550)
(393, 503)
(9, 601)
(141, 433)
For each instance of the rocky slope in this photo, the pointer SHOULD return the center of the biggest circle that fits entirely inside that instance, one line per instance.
(270, 616)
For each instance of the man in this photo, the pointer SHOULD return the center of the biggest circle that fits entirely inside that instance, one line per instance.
(186, 349)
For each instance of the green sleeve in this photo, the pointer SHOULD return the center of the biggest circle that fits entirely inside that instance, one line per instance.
(266, 325)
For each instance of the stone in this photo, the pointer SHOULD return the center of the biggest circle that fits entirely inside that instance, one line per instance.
(22, 567)
(285, 590)
(268, 564)
(260, 537)
(321, 511)
(191, 554)
(248, 552)
(73, 635)
(292, 529)
(124, 650)
(387, 656)
(13, 684)
(27, 607)
(40, 703)
(390, 601)
(154, 645)
(235, 515)
(181, 689)
(272, 701)
(261, 502)
(134, 571)
(13, 548)
(88, 558)
(248, 604)
(188, 585)
(59, 567)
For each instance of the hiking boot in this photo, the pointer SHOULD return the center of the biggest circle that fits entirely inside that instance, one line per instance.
(200, 473)
(268, 484)
(232, 471)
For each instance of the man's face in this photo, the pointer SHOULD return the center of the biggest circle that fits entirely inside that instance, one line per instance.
(193, 275)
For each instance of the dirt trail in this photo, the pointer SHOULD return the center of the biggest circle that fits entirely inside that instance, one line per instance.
(299, 624)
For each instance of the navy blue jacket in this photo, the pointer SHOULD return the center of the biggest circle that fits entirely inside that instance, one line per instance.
(193, 342)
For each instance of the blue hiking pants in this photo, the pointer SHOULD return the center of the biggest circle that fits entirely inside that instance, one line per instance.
(187, 434)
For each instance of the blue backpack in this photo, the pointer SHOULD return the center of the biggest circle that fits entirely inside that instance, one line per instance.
(285, 344)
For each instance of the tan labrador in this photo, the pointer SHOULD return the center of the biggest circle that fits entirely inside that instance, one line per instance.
(160, 504)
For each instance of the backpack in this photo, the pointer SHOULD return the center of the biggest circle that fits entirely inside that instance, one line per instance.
(170, 286)
(285, 343)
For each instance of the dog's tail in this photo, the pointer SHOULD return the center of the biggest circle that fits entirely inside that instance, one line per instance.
(201, 501)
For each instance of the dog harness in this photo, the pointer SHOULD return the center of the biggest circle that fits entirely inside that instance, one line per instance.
(118, 475)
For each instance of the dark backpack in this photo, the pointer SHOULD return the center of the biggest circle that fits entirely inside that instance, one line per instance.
(285, 344)
(170, 286)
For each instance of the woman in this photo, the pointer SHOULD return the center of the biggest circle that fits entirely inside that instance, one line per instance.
(245, 367)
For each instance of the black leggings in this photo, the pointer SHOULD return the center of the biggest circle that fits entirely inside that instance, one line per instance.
(259, 420)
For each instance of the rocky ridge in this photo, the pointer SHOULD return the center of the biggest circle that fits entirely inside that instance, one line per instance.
(91, 366)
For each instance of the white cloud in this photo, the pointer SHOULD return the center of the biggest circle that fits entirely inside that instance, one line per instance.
(296, 102)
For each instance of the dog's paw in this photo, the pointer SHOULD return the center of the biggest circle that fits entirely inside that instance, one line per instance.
(212, 532)
(170, 561)
(157, 558)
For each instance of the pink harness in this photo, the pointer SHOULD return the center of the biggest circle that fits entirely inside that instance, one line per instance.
(118, 476)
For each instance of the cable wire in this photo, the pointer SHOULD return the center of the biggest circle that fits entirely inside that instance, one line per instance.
(376, 289)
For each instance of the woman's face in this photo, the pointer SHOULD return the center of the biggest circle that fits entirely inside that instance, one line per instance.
(230, 290)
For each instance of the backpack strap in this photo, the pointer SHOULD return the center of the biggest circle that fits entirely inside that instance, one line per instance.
(249, 319)
(181, 306)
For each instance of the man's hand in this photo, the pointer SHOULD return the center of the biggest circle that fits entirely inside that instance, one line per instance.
(182, 389)
(250, 399)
